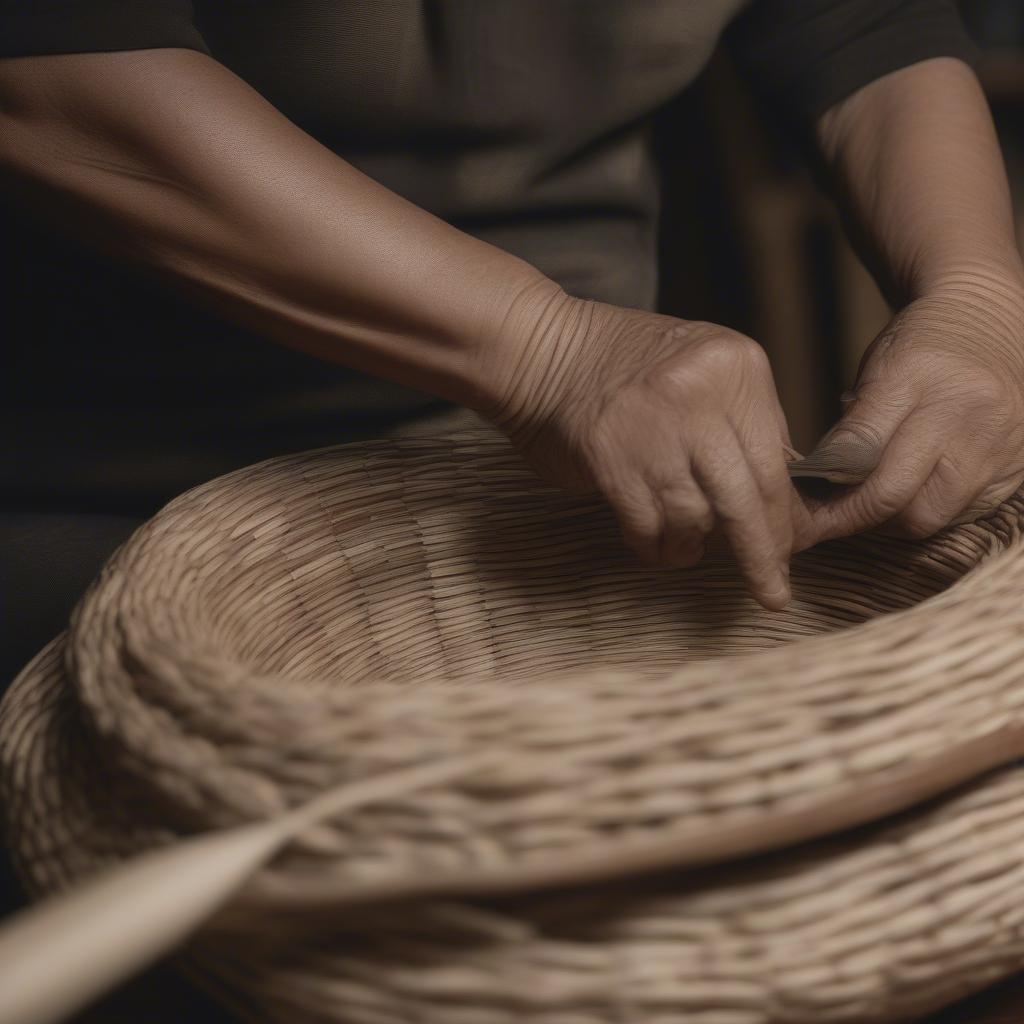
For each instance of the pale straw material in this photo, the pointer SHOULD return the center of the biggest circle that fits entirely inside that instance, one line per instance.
(337, 615)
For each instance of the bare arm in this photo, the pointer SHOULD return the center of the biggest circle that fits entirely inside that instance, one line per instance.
(918, 165)
(939, 408)
(169, 160)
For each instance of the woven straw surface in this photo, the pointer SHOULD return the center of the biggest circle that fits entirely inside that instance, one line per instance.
(426, 603)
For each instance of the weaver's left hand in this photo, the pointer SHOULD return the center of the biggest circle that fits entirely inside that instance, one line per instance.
(936, 418)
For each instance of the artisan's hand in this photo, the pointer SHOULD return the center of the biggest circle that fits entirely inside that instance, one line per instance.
(938, 418)
(677, 423)
(938, 415)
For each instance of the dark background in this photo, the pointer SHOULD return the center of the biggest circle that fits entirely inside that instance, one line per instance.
(748, 241)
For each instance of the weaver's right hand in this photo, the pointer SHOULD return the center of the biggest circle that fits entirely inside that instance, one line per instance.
(675, 422)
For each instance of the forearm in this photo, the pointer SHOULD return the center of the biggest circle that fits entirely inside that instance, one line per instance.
(936, 424)
(919, 172)
(165, 158)
(179, 166)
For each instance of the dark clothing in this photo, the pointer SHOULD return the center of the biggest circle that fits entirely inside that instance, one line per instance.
(521, 121)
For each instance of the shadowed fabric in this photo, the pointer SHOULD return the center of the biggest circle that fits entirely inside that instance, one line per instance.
(666, 802)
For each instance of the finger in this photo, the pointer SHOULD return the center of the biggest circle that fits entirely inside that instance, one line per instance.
(905, 465)
(639, 516)
(801, 529)
(851, 451)
(766, 457)
(763, 435)
(739, 507)
(806, 529)
(687, 521)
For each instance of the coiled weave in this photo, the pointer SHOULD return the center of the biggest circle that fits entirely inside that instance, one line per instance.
(665, 803)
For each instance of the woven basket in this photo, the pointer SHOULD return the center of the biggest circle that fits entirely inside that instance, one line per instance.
(837, 779)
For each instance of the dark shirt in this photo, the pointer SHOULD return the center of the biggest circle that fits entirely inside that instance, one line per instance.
(523, 122)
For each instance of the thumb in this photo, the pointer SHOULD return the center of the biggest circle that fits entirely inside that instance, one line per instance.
(850, 452)
(876, 447)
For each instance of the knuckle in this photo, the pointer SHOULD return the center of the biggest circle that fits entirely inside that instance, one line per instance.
(703, 519)
(992, 391)
(709, 360)
(687, 511)
(639, 523)
(921, 521)
(755, 356)
(744, 509)
(724, 351)
(696, 524)
(951, 479)
(634, 508)
(880, 505)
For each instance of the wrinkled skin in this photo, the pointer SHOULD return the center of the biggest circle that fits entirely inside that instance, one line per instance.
(677, 423)
(936, 418)
(937, 410)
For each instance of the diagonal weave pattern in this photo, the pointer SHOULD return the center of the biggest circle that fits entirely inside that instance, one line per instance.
(332, 616)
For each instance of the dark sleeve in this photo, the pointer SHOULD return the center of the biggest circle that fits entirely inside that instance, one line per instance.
(803, 56)
(33, 27)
